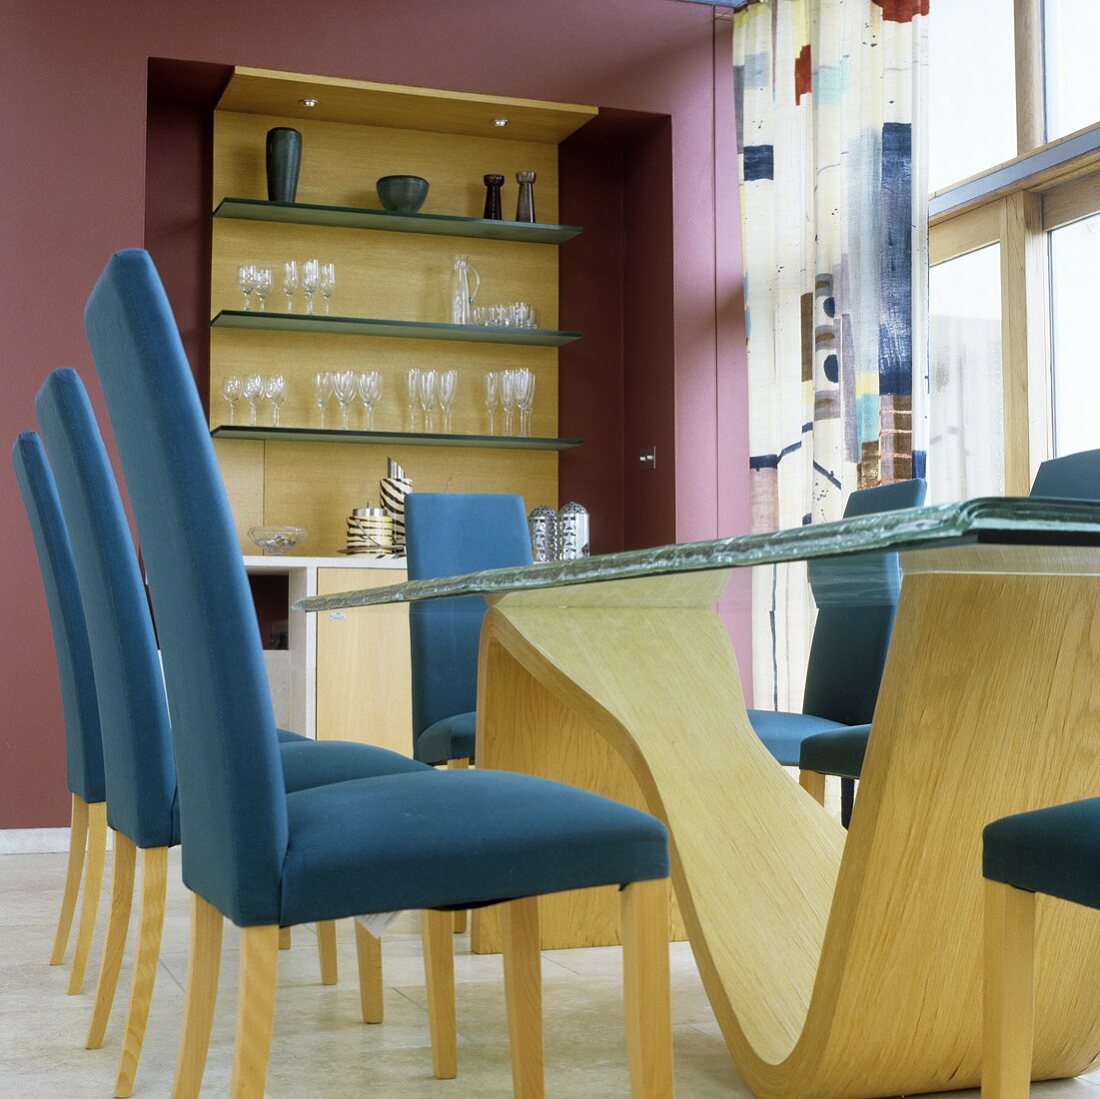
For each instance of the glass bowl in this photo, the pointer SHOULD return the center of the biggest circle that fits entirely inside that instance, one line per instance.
(277, 540)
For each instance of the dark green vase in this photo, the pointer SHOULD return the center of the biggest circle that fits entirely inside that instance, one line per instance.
(284, 160)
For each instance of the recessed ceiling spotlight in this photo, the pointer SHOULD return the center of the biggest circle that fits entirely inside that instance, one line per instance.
(500, 122)
(309, 102)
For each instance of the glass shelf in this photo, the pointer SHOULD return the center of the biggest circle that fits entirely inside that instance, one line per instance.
(407, 438)
(350, 217)
(408, 330)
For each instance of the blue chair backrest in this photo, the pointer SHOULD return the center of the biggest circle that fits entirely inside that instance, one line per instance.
(232, 802)
(137, 744)
(83, 748)
(1071, 477)
(450, 534)
(856, 599)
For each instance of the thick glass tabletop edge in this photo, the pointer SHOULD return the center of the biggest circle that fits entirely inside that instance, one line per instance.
(988, 519)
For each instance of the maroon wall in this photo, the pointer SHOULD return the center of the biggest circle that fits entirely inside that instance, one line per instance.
(73, 180)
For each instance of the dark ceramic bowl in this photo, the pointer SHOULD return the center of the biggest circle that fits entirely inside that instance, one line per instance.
(402, 194)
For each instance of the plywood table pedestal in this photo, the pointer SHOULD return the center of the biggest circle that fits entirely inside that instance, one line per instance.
(837, 970)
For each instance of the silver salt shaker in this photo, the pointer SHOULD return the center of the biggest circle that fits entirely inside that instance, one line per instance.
(543, 525)
(572, 531)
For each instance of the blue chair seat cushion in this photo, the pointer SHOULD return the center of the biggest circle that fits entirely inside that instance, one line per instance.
(783, 733)
(287, 737)
(441, 839)
(836, 753)
(451, 738)
(1054, 851)
(310, 763)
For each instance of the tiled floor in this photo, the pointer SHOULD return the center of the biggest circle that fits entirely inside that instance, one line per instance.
(320, 1048)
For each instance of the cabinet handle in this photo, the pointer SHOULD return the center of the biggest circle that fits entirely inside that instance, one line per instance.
(337, 616)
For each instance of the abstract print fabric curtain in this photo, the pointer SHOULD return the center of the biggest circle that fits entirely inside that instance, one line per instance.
(831, 122)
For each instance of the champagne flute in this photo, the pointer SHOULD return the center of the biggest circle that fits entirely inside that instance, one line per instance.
(507, 398)
(290, 283)
(311, 280)
(370, 392)
(276, 394)
(412, 380)
(322, 390)
(263, 284)
(492, 391)
(525, 398)
(428, 381)
(343, 385)
(246, 282)
(253, 392)
(448, 383)
(232, 388)
(328, 283)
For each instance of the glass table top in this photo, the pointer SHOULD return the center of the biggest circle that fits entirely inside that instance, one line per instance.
(1021, 525)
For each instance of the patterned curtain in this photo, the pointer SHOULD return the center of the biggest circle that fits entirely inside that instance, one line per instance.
(831, 120)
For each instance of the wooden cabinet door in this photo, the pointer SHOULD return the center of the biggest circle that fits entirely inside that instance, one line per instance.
(364, 689)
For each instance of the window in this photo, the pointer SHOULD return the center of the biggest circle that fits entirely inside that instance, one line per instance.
(1071, 31)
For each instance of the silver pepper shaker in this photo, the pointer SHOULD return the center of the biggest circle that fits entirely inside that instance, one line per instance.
(572, 531)
(543, 525)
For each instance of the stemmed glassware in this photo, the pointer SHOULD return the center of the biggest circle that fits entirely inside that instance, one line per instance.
(276, 394)
(343, 386)
(448, 384)
(246, 282)
(524, 383)
(492, 391)
(290, 283)
(253, 392)
(322, 390)
(428, 381)
(370, 392)
(507, 398)
(262, 284)
(311, 280)
(412, 381)
(328, 283)
(232, 388)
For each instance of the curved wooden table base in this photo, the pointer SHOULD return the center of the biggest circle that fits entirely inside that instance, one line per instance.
(835, 971)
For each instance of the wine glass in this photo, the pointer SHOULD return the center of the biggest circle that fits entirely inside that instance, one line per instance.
(343, 385)
(525, 398)
(448, 383)
(290, 283)
(246, 282)
(492, 391)
(412, 380)
(263, 284)
(311, 280)
(507, 398)
(276, 394)
(428, 382)
(322, 390)
(253, 392)
(370, 392)
(232, 388)
(328, 283)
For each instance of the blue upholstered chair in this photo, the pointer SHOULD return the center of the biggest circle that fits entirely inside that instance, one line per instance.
(265, 858)
(856, 603)
(841, 752)
(83, 749)
(450, 534)
(142, 805)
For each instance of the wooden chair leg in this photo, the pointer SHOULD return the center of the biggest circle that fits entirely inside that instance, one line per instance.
(114, 945)
(369, 951)
(646, 989)
(439, 974)
(154, 886)
(460, 917)
(523, 995)
(93, 885)
(78, 840)
(813, 784)
(284, 938)
(1009, 993)
(203, 965)
(326, 950)
(255, 1011)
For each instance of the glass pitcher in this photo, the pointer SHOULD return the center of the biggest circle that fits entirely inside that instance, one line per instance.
(462, 295)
